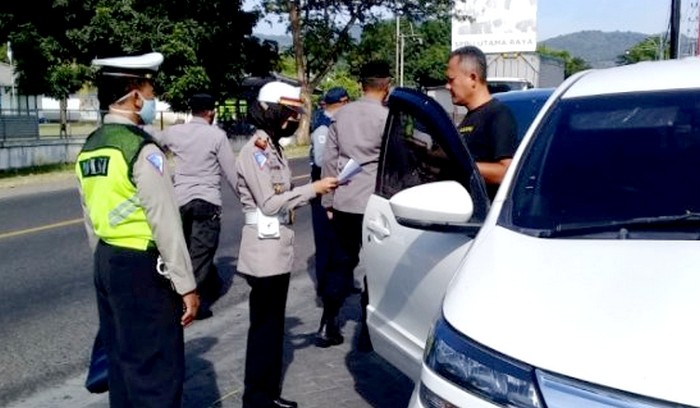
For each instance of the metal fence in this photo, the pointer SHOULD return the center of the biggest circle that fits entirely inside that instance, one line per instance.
(46, 123)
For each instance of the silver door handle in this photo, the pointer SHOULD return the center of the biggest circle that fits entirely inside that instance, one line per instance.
(378, 229)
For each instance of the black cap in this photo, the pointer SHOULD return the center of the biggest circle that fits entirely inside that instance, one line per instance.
(376, 69)
(202, 102)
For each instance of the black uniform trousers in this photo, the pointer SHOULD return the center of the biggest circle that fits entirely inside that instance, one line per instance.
(140, 327)
(323, 235)
(345, 257)
(201, 224)
(265, 347)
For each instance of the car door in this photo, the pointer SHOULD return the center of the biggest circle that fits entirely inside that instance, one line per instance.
(409, 265)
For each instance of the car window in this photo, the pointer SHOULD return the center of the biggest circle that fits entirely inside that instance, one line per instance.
(607, 159)
(412, 156)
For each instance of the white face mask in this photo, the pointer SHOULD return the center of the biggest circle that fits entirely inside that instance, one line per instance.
(148, 109)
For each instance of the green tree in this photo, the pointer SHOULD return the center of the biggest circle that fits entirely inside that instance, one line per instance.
(650, 49)
(207, 44)
(425, 48)
(572, 65)
(321, 32)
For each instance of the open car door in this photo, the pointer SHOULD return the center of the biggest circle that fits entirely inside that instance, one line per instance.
(428, 204)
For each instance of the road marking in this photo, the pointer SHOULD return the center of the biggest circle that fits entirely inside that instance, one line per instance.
(39, 229)
(72, 222)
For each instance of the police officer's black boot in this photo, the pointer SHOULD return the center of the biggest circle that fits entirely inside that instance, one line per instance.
(329, 330)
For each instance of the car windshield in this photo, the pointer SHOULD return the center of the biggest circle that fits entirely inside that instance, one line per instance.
(623, 161)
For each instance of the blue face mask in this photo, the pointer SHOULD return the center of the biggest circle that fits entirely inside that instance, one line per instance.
(148, 110)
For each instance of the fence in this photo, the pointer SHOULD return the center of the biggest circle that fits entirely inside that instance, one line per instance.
(46, 123)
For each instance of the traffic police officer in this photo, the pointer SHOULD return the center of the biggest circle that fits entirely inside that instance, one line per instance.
(355, 133)
(334, 99)
(265, 258)
(202, 155)
(143, 274)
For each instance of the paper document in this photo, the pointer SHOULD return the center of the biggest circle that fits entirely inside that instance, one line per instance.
(351, 169)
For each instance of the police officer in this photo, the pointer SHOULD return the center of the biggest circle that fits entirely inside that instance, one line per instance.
(143, 274)
(334, 99)
(202, 155)
(355, 133)
(265, 258)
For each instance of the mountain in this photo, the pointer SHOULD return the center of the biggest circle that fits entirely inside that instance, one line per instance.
(283, 41)
(600, 49)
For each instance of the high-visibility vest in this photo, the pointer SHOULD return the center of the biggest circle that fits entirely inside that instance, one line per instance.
(104, 168)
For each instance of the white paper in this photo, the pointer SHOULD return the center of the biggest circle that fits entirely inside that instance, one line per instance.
(349, 171)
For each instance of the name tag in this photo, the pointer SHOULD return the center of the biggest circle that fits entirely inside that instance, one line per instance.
(95, 166)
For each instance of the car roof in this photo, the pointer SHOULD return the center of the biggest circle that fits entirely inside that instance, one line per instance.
(524, 94)
(639, 77)
(512, 79)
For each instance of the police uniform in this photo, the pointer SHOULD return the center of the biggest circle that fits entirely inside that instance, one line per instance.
(268, 199)
(202, 156)
(323, 233)
(355, 133)
(133, 223)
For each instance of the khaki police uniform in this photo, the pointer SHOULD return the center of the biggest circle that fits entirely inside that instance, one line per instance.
(355, 133)
(265, 258)
(133, 225)
(202, 157)
(265, 183)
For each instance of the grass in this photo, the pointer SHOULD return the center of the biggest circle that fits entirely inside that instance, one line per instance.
(34, 170)
(72, 129)
(294, 151)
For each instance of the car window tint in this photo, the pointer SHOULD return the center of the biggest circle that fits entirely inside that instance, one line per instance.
(412, 157)
(611, 159)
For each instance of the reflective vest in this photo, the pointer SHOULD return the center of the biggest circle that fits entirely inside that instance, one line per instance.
(104, 168)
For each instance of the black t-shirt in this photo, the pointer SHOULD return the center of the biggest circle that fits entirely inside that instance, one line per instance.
(490, 132)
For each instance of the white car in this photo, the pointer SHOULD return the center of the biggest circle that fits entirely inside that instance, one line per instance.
(579, 286)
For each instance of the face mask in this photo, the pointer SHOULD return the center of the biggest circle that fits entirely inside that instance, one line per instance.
(290, 129)
(148, 110)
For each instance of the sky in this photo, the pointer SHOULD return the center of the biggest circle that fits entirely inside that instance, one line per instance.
(558, 17)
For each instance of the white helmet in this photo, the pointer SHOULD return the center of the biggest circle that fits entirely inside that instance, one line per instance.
(281, 93)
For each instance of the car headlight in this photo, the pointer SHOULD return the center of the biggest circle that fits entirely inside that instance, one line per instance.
(479, 370)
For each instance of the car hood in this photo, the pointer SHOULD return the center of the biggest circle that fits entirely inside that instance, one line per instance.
(618, 313)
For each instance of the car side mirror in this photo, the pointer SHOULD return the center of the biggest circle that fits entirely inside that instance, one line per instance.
(438, 206)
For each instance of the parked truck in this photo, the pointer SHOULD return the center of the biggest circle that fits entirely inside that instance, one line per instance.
(541, 71)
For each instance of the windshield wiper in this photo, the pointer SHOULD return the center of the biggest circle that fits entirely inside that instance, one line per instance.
(562, 230)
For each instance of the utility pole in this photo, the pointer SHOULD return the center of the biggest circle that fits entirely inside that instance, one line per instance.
(675, 27)
(12, 72)
(697, 37)
(398, 39)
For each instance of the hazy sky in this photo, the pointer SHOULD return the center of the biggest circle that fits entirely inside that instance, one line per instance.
(556, 17)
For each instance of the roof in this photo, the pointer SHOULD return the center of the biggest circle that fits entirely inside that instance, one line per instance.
(534, 93)
(5, 74)
(639, 77)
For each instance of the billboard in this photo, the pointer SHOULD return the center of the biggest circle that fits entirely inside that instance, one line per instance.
(495, 26)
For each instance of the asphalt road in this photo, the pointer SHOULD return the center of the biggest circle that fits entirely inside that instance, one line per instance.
(49, 317)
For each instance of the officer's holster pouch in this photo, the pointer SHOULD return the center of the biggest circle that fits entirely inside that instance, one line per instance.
(268, 226)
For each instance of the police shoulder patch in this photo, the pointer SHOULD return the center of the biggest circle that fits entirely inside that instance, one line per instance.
(157, 161)
(260, 158)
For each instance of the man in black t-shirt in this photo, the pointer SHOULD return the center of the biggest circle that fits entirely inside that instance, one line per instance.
(489, 127)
